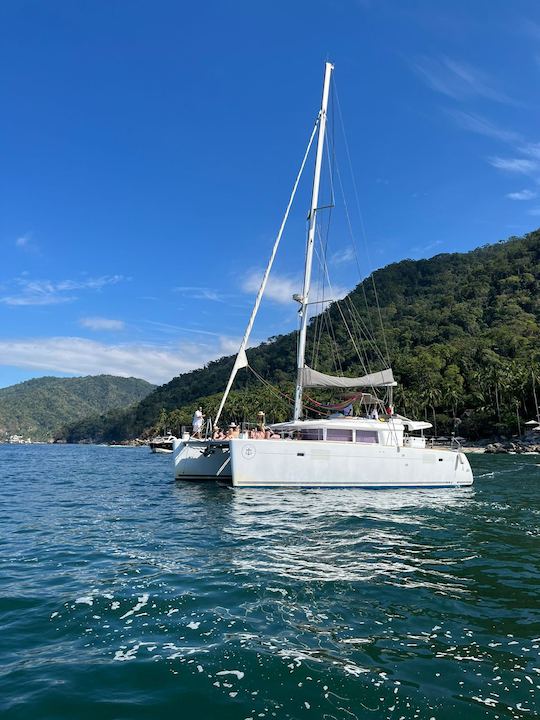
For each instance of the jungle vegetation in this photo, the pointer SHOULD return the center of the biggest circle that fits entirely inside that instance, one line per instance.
(37, 408)
(462, 332)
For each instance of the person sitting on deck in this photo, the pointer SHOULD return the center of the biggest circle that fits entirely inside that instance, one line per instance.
(233, 431)
(374, 414)
(218, 434)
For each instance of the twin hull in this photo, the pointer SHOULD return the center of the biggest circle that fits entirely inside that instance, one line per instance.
(304, 463)
(201, 460)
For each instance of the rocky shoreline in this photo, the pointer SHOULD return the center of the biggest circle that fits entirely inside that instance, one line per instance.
(526, 444)
(518, 447)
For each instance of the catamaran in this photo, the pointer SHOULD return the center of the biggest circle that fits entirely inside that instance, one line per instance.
(341, 449)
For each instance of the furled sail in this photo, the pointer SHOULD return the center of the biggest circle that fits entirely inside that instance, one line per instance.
(313, 378)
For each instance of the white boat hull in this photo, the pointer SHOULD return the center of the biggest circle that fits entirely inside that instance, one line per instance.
(201, 460)
(304, 463)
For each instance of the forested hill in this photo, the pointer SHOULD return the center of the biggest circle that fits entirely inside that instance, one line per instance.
(38, 408)
(462, 331)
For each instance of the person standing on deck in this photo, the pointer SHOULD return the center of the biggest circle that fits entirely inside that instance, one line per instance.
(261, 424)
(197, 422)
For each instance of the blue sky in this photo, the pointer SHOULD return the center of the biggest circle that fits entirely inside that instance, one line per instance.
(148, 150)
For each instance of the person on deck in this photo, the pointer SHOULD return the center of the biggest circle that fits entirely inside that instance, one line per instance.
(261, 426)
(197, 422)
(218, 433)
(233, 431)
(374, 414)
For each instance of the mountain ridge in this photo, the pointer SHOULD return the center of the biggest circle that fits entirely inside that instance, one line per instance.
(463, 331)
(38, 407)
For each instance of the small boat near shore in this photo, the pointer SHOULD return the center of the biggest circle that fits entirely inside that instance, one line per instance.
(162, 444)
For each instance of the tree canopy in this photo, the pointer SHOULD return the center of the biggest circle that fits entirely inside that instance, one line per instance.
(38, 408)
(462, 332)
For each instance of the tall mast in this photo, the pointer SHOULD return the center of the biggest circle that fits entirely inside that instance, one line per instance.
(310, 243)
(241, 358)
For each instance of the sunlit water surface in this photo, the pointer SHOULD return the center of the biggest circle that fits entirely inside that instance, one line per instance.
(126, 595)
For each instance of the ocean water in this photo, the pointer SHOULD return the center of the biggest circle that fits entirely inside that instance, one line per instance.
(126, 595)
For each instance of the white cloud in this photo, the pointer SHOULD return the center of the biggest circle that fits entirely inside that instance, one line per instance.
(282, 289)
(200, 293)
(100, 323)
(47, 292)
(278, 289)
(230, 346)
(428, 247)
(37, 293)
(521, 195)
(79, 356)
(516, 165)
(343, 256)
(25, 243)
(531, 149)
(458, 80)
(526, 165)
(481, 126)
(327, 294)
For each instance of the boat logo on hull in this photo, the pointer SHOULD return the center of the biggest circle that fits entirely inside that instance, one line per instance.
(248, 452)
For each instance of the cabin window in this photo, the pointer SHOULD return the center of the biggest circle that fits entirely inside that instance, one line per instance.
(367, 436)
(311, 434)
(338, 434)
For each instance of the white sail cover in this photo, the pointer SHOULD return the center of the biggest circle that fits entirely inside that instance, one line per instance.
(313, 378)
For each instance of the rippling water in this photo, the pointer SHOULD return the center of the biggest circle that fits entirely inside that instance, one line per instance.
(126, 595)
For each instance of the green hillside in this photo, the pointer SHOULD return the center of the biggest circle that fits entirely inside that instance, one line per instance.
(38, 408)
(462, 331)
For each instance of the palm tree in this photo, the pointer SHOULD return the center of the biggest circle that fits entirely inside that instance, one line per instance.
(431, 396)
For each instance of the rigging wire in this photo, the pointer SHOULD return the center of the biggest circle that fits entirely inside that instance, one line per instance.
(241, 356)
(329, 143)
(326, 317)
(362, 225)
(281, 395)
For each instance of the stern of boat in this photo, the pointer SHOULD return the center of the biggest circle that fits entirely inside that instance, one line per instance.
(196, 459)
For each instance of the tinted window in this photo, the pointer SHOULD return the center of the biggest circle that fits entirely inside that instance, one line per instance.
(311, 434)
(367, 436)
(342, 435)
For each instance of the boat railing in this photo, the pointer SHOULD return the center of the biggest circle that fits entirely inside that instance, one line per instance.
(455, 444)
